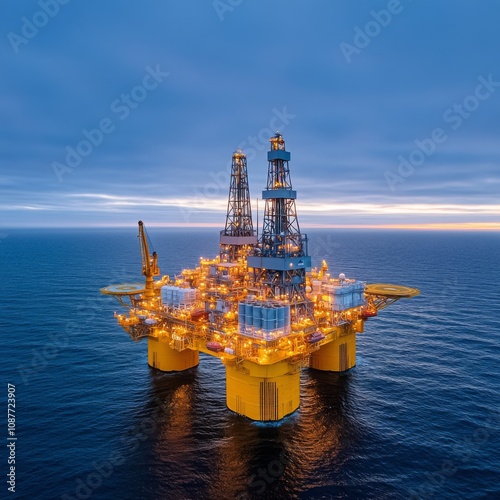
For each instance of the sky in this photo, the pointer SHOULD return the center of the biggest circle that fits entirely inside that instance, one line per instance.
(118, 111)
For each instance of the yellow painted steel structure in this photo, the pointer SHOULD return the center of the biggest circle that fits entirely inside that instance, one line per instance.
(264, 323)
(166, 359)
(259, 392)
(262, 375)
(336, 356)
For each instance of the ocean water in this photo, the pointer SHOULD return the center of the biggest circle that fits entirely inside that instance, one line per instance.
(418, 417)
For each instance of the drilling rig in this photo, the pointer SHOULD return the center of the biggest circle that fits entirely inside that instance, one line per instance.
(238, 237)
(258, 306)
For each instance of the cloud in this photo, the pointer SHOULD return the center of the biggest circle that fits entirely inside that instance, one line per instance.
(352, 121)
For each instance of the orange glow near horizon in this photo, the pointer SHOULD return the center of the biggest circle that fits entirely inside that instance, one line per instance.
(315, 214)
(445, 226)
(459, 226)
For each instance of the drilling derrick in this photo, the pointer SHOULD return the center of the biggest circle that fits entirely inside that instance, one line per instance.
(238, 237)
(280, 260)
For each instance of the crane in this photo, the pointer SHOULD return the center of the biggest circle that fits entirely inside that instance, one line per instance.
(149, 262)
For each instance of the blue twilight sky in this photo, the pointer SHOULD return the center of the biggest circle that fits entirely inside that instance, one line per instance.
(176, 87)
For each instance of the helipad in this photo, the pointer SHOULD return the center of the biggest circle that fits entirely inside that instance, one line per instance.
(385, 289)
(123, 289)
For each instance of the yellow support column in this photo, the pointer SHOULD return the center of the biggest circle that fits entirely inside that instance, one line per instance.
(336, 356)
(166, 359)
(262, 392)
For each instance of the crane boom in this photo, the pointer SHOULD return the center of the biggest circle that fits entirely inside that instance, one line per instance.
(149, 262)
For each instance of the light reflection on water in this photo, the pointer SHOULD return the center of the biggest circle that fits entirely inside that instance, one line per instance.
(425, 383)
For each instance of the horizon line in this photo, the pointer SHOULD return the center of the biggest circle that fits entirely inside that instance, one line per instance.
(460, 226)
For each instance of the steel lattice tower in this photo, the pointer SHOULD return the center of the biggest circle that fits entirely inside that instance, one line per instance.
(238, 237)
(280, 259)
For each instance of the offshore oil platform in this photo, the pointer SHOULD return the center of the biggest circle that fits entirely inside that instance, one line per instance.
(258, 306)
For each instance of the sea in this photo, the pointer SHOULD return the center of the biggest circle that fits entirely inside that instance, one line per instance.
(418, 417)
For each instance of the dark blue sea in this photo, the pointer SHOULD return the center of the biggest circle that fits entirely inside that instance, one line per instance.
(418, 417)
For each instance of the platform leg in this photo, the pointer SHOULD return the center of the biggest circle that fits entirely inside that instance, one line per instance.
(265, 393)
(166, 359)
(336, 356)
